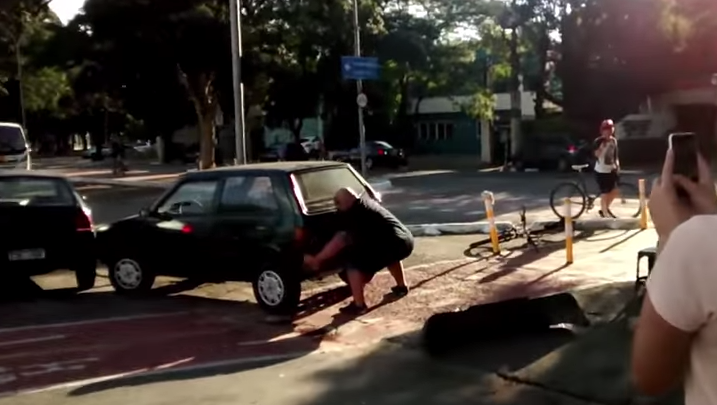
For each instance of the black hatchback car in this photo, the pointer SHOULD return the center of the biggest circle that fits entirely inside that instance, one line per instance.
(249, 223)
(46, 227)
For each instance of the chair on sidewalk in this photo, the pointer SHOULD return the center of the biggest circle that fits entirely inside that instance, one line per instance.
(651, 255)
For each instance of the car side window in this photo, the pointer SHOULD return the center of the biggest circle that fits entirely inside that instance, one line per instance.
(190, 198)
(248, 193)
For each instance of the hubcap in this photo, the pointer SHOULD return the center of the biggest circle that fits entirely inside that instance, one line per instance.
(128, 274)
(271, 288)
(369, 163)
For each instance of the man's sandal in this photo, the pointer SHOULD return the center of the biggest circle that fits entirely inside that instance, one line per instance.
(399, 291)
(353, 309)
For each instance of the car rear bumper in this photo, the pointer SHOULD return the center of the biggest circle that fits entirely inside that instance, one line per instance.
(75, 254)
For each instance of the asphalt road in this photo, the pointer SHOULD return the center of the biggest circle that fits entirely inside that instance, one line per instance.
(415, 198)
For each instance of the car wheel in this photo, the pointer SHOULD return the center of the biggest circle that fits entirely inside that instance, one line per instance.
(130, 276)
(519, 166)
(277, 291)
(86, 276)
(369, 163)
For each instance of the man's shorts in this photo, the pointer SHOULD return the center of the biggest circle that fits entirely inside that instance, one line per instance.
(606, 182)
(370, 261)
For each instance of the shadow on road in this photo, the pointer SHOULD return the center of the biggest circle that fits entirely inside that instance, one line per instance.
(545, 367)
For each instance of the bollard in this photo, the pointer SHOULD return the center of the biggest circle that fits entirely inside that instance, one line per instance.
(568, 232)
(489, 200)
(643, 204)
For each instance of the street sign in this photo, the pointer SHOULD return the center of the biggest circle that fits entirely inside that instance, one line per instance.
(358, 68)
(362, 100)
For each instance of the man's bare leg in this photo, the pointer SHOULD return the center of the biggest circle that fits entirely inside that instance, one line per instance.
(396, 270)
(357, 282)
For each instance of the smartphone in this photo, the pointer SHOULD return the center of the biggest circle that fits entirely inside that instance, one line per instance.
(684, 149)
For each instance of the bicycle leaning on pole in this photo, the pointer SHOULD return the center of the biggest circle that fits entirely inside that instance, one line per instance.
(583, 201)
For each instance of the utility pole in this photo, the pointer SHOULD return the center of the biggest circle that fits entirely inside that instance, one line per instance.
(359, 90)
(239, 134)
(516, 113)
(20, 92)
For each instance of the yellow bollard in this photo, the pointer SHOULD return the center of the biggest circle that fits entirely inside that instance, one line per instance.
(568, 232)
(643, 204)
(489, 200)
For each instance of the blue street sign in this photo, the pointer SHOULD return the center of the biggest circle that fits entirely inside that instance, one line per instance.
(358, 68)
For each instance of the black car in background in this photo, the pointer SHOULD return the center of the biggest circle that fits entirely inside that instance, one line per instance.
(241, 223)
(379, 154)
(46, 226)
(552, 152)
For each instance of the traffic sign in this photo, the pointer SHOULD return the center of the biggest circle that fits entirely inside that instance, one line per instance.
(359, 68)
(362, 100)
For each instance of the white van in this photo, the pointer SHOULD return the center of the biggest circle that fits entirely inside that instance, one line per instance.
(14, 149)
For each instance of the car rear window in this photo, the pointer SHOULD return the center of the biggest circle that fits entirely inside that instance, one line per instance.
(318, 187)
(34, 191)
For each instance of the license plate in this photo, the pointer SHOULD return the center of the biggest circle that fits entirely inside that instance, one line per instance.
(27, 254)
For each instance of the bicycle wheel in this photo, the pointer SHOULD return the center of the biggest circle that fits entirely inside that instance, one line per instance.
(627, 204)
(574, 193)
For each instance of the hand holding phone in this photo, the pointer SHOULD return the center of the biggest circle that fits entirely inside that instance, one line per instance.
(685, 152)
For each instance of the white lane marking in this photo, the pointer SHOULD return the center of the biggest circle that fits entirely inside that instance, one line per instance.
(34, 370)
(31, 340)
(92, 321)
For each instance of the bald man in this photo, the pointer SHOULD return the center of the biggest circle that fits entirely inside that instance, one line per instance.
(370, 239)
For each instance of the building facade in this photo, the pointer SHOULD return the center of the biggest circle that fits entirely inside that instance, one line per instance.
(442, 126)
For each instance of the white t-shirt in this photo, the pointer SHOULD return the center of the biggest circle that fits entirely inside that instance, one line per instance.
(683, 290)
(607, 160)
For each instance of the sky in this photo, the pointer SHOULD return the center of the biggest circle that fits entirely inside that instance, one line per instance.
(66, 9)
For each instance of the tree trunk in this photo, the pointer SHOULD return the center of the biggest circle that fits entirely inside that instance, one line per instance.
(206, 142)
(516, 113)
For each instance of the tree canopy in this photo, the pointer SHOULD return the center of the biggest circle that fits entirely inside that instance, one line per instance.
(163, 65)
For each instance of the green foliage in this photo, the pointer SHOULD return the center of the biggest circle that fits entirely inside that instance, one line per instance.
(45, 88)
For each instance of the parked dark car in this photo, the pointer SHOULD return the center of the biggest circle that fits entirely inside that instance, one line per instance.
(379, 154)
(47, 227)
(248, 223)
(552, 152)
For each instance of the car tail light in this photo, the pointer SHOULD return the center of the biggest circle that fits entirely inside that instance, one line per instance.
(187, 229)
(572, 149)
(381, 152)
(83, 222)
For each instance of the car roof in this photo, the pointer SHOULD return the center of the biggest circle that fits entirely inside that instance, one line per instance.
(267, 168)
(10, 124)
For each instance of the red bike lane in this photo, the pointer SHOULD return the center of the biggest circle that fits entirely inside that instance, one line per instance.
(43, 356)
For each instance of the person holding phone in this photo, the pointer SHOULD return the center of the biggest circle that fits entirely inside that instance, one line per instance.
(607, 165)
(675, 340)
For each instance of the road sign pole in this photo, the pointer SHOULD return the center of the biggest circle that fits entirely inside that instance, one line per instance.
(239, 133)
(359, 89)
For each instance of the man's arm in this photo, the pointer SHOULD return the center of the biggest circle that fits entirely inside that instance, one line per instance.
(672, 311)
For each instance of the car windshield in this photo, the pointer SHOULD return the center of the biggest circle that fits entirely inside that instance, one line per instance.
(11, 139)
(318, 187)
(34, 191)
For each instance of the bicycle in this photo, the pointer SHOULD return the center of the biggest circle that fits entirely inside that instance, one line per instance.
(583, 201)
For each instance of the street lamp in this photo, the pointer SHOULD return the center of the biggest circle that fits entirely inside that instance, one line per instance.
(240, 138)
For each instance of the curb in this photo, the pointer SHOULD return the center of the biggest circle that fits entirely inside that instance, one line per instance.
(483, 227)
(380, 184)
(457, 228)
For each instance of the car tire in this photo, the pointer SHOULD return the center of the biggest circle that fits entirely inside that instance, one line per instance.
(369, 163)
(86, 277)
(519, 166)
(130, 276)
(277, 291)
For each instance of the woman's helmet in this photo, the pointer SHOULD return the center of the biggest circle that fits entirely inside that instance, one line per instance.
(607, 124)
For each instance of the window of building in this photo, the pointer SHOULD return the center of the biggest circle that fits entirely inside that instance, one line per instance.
(435, 131)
